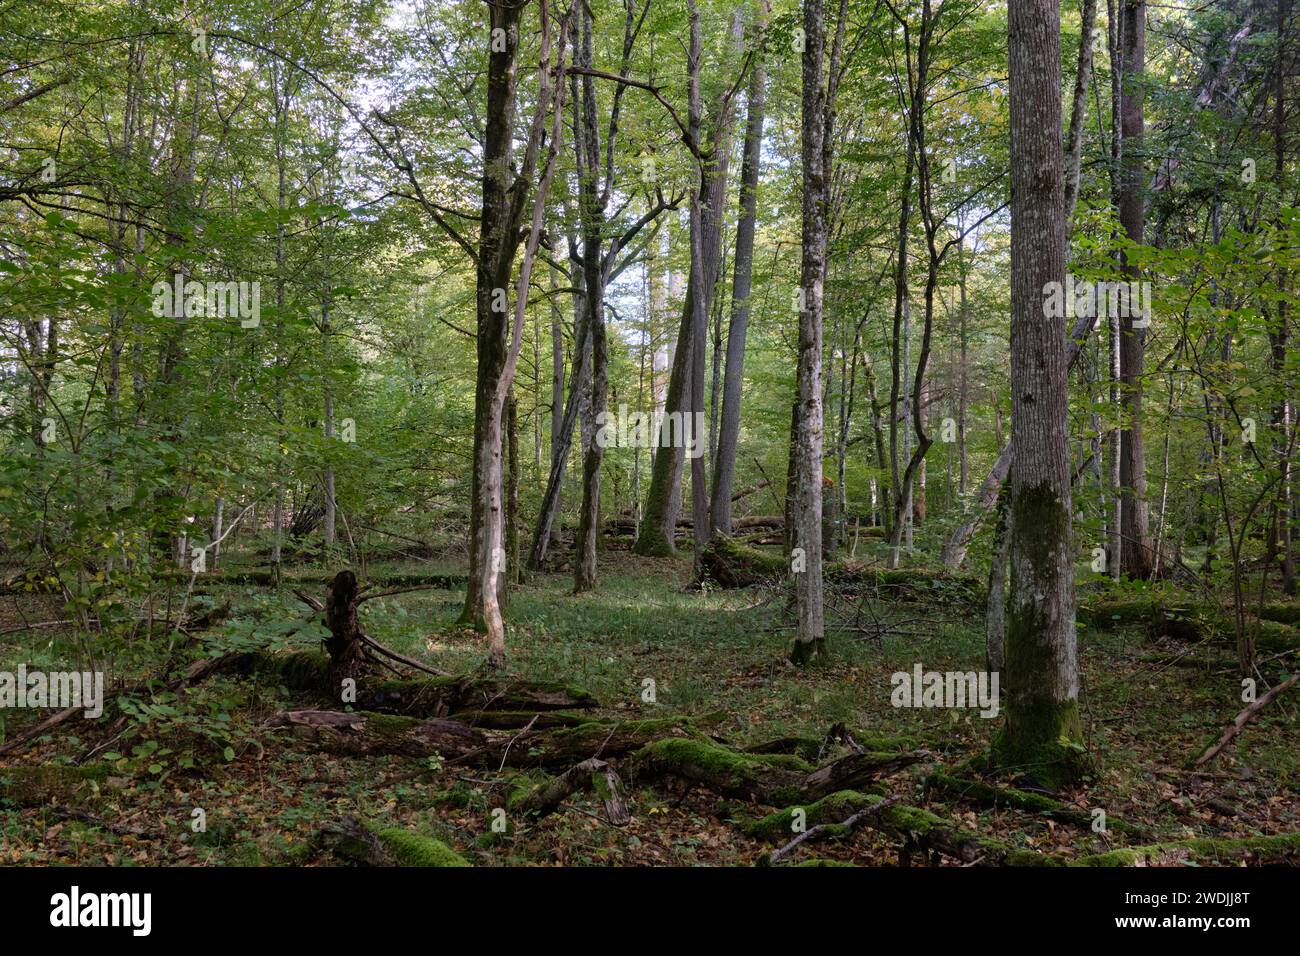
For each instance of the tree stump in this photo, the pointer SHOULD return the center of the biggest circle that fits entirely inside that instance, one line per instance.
(346, 650)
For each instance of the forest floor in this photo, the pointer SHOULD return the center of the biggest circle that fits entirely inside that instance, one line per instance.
(1149, 707)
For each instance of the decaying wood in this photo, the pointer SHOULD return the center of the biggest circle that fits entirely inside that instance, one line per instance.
(772, 780)
(350, 840)
(592, 774)
(824, 830)
(366, 734)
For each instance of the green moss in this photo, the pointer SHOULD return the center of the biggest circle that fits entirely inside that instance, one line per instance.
(985, 795)
(1272, 848)
(411, 849)
(389, 725)
(807, 652)
(819, 861)
(715, 758)
(1051, 763)
(832, 809)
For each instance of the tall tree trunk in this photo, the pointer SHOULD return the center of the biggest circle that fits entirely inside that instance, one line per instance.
(1135, 520)
(593, 219)
(1042, 681)
(498, 241)
(1283, 412)
(810, 633)
(724, 469)
(500, 335)
(663, 498)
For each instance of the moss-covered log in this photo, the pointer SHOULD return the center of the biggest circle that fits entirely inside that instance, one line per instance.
(730, 564)
(431, 696)
(1283, 848)
(1275, 628)
(986, 795)
(363, 845)
(593, 775)
(367, 734)
(363, 733)
(918, 829)
(773, 779)
(813, 748)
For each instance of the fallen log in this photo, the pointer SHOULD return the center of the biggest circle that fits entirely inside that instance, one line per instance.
(353, 841)
(430, 696)
(919, 829)
(772, 779)
(986, 795)
(1189, 622)
(592, 774)
(365, 734)
(823, 831)
(1284, 848)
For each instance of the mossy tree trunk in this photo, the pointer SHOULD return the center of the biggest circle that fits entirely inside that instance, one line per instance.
(1041, 679)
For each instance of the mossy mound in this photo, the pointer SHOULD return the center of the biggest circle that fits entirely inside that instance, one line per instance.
(412, 849)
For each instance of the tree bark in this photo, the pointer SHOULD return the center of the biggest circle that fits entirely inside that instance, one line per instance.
(810, 633)
(724, 469)
(1041, 677)
(1135, 517)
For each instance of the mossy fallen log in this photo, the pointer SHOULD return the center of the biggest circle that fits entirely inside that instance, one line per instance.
(428, 696)
(360, 734)
(986, 795)
(363, 733)
(772, 779)
(812, 748)
(363, 845)
(1283, 848)
(730, 564)
(917, 828)
(1190, 622)
(595, 775)
(832, 808)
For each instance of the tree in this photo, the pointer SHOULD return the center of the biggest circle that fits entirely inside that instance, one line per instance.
(1041, 678)
(1136, 556)
(806, 539)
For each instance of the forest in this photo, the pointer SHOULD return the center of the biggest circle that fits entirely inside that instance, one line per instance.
(649, 433)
